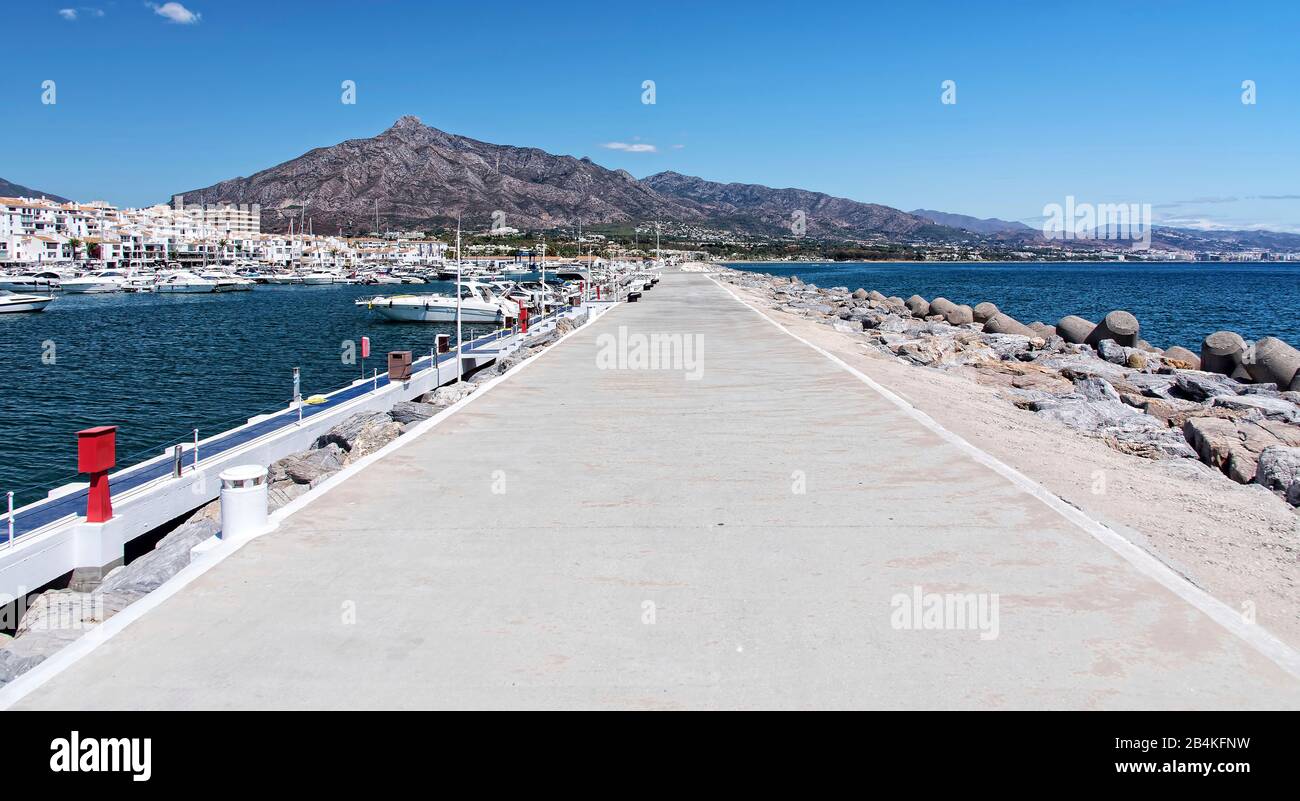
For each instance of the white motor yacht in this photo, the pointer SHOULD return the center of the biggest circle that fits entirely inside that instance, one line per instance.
(99, 281)
(185, 282)
(45, 281)
(11, 302)
(319, 278)
(477, 305)
(226, 282)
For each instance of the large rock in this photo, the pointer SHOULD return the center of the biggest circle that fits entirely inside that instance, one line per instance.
(345, 434)
(373, 437)
(1234, 446)
(1279, 470)
(1271, 408)
(442, 397)
(311, 466)
(1221, 352)
(1121, 427)
(1183, 358)
(1201, 386)
(169, 556)
(413, 412)
(1272, 361)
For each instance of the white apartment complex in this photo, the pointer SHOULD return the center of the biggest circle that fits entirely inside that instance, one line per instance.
(40, 233)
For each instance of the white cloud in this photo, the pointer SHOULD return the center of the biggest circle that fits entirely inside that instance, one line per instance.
(73, 14)
(70, 14)
(176, 13)
(631, 148)
(678, 147)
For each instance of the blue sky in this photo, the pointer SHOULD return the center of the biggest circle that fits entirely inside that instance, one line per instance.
(1108, 102)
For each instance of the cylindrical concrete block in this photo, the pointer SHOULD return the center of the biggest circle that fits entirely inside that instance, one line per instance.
(1183, 355)
(959, 315)
(1005, 324)
(1119, 326)
(860, 294)
(983, 311)
(876, 296)
(941, 306)
(1074, 329)
(918, 306)
(1043, 329)
(243, 501)
(1221, 352)
(1272, 361)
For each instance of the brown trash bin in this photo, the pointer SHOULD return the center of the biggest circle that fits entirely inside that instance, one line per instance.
(399, 365)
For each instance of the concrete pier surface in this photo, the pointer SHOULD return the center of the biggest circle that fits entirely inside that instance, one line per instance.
(772, 533)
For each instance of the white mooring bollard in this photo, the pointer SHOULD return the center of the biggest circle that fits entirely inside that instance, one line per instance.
(243, 501)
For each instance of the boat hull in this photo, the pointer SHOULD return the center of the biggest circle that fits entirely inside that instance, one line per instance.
(184, 289)
(25, 306)
(435, 314)
(91, 289)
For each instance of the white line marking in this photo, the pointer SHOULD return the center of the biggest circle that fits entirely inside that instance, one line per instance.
(1253, 634)
(21, 687)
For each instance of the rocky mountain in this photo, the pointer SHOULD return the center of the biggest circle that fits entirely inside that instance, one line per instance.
(10, 189)
(421, 176)
(774, 210)
(989, 225)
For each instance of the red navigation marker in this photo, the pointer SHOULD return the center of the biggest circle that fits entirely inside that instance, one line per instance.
(96, 455)
(365, 347)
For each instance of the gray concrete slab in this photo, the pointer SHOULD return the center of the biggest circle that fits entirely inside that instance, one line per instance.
(512, 557)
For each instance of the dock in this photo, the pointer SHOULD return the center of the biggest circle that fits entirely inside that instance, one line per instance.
(746, 527)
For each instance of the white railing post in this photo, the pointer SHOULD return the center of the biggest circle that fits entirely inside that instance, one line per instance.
(196, 449)
(11, 519)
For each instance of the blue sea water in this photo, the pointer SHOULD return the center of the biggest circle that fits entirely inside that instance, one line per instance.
(1176, 303)
(159, 366)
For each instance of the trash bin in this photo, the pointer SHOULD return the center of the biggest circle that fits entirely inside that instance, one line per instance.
(399, 365)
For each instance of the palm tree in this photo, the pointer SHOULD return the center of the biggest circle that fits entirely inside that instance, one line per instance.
(75, 244)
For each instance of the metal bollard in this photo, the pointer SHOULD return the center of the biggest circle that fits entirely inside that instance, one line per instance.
(243, 501)
(178, 466)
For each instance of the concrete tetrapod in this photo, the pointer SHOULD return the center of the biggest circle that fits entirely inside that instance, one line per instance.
(1119, 326)
(1272, 361)
(1221, 352)
(1074, 329)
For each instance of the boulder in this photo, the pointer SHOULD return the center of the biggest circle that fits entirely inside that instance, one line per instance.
(983, 311)
(1273, 361)
(1234, 446)
(304, 468)
(1075, 330)
(860, 294)
(280, 493)
(1270, 408)
(345, 434)
(1119, 326)
(1189, 360)
(876, 296)
(1201, 386)
(1005, 324)
(168, 557)
(442, 397)
(1221, 352)
(1279, 470)
(1095, 388)
(412, 411)
(1113, 352)
(373, 437)
(918, 306)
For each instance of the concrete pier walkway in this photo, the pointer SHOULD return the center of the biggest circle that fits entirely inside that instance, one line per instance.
(611, 538)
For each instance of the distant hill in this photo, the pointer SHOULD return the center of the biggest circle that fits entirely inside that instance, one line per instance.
(990, 225)
(421, 176)
(10, 189)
